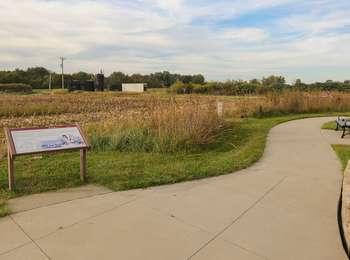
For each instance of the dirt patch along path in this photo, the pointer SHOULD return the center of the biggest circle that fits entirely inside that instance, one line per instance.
(283, 207)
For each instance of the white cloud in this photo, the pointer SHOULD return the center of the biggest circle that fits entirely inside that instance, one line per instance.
(244, 34)
(170, 5)
(181, 36)
(316, 22)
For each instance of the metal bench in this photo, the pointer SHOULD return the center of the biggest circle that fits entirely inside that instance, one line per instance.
(344, 124)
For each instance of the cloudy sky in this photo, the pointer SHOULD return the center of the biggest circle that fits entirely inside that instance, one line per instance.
(223, 39)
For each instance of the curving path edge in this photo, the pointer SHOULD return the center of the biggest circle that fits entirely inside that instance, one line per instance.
(283, 207)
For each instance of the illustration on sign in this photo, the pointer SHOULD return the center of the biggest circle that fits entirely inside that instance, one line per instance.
(65, 140)
(47, 139)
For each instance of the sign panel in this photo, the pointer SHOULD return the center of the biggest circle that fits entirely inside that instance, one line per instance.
(40, 140)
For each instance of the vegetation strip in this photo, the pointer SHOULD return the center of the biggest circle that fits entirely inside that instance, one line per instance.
(239, 146)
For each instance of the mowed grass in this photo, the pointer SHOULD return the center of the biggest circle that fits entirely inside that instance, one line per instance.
(343, 153)
(329, 125)
(236, 147)
(240, 145)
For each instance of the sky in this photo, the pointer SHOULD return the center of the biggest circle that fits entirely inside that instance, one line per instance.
(222, 39)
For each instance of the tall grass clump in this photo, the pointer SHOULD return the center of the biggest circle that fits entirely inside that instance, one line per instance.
(164, 127)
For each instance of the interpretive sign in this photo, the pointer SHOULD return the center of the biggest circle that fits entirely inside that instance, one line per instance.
(28, 141)
(44, 140)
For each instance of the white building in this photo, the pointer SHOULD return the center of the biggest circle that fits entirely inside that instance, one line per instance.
(134, 87)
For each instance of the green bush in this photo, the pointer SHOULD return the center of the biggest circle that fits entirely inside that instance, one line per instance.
(179, 88)
(15, 88)
(187, 88)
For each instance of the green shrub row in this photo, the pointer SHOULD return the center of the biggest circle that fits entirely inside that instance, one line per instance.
(226, 88)
(15, 88)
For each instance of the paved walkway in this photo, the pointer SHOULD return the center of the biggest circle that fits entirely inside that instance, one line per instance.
(284, 207)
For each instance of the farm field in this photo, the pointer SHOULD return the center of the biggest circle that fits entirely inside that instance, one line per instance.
(150, 139)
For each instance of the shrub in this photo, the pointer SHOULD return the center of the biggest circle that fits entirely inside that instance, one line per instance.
(181, 88)
(200, 89)
(178, 87)
(15, 88)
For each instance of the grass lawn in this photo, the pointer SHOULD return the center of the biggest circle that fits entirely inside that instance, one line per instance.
(343, 152)
(239, 146)
(329, 125)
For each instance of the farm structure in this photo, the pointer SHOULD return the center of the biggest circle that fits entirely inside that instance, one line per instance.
(134, 87)
(95, 84)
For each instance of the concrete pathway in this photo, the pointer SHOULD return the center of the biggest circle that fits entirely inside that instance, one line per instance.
(284, 207)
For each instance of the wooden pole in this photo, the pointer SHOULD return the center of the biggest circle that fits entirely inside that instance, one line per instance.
(11, 176)
(83, 167)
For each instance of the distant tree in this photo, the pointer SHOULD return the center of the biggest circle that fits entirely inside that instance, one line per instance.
(136, 78)
(299, 84)
(115, 80)
(273, 80)
(198, 79)
(34, 77)
(154, 81)
(82, 76)
(37, 72)
(166, 78)
(186, 78)
(254, 81)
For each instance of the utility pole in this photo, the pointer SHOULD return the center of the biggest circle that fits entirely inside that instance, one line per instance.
(62, 61)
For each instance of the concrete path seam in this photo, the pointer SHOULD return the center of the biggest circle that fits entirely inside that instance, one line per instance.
(205, 231)
(17, 247)
(62, 202)
(42, 250)
(245, 249)
(237, 218)
(181, 220)
(85, 219)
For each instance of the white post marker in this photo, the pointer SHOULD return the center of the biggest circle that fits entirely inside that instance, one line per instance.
(25, 141)
(220, 109)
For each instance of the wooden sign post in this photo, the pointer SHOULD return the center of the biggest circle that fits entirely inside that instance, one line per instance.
(27, 141)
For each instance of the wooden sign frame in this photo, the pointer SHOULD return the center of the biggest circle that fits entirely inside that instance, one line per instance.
(12, 153)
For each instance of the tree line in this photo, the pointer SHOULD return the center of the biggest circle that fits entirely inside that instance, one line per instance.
(256, 86)
(38, 77)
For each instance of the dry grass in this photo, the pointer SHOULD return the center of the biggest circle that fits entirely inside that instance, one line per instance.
(160, 127)
(307, 102)
(288, 102)
(152, 122)
(119, 122)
